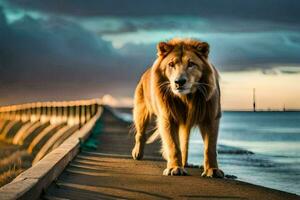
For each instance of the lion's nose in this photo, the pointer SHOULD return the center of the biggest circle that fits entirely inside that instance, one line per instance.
(180, 82)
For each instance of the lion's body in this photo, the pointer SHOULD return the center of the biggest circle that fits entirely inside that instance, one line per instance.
(176, 114)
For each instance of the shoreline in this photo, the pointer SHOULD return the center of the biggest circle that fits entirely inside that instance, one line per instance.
(245, 160)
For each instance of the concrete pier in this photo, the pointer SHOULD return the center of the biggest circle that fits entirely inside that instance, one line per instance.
(109, 172)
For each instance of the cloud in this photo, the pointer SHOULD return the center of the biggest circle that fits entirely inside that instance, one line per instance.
(113, 25)
(242, 34)
(282, 70)
(29, 45)
(116, 16)
(58, 59)
(229, 52)
(270, 10)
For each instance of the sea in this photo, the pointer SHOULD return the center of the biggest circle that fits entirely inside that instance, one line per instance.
(261, 148)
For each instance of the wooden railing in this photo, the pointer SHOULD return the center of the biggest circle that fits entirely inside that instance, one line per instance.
(72, 112)
(41, 127)
(32, 182)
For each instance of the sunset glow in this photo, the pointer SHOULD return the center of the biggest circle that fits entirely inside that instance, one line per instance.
(272, 91)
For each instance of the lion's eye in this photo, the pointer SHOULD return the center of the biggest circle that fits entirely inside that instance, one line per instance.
(191, 64)
(171, 64)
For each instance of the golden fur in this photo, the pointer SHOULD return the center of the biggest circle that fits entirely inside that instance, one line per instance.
(180, 90)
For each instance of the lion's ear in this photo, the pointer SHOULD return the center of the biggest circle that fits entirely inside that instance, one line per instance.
(163, 48)
(202, 48)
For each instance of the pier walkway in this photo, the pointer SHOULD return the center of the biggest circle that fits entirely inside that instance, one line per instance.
(104, 169)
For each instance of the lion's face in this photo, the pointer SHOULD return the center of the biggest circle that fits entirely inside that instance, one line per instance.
(186, 68)
(183, 71)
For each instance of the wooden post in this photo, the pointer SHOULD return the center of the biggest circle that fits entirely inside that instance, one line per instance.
(59, 114)
(65, 113)
(15, 115)
(80, 113)
(77, 114)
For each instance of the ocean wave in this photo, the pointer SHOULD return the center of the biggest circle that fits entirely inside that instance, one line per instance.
(224, 149)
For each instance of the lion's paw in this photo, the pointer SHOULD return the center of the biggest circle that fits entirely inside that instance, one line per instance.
(175, 171)
(137, 153)
(213, 173)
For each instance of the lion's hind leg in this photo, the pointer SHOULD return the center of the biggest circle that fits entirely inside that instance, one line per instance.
(141, 119)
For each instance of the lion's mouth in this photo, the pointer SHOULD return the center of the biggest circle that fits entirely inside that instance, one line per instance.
(182, 90)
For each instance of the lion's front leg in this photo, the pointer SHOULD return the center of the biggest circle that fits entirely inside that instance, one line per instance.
(210, 136)
(184, 135)
(170, 141)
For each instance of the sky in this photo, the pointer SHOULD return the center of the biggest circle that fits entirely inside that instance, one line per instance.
(65, 50)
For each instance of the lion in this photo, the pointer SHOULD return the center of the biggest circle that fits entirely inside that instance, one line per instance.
(181, 90)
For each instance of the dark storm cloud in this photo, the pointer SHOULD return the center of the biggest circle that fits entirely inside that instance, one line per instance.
(188, 24)
(40, 47)
(270, 10)
(234, 53)
(56, 58)
(243, 34)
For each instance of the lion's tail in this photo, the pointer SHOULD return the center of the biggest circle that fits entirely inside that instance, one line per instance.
(155, 136)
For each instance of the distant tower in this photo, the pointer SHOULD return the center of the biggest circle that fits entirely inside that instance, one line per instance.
(254, 106)
(283, 108)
